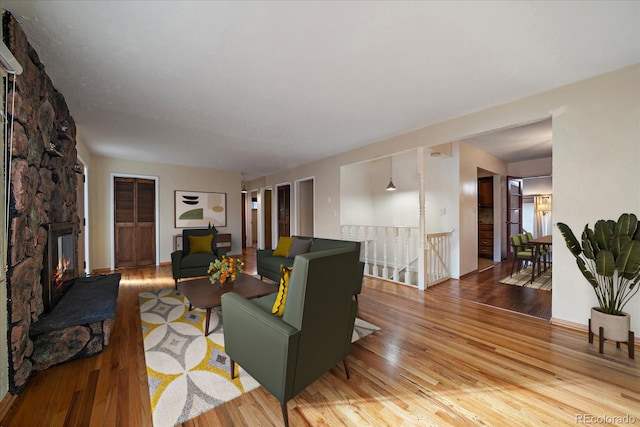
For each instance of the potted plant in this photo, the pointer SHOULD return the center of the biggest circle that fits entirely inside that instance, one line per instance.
(608, 256)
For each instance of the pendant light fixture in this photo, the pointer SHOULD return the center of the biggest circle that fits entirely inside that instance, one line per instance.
(390, 187)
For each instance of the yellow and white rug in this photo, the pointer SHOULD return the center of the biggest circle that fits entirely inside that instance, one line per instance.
(188, 373)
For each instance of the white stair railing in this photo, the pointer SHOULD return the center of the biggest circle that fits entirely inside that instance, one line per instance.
(438, 257)
(391, 253)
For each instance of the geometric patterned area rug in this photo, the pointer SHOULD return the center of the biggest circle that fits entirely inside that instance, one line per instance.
(188, 373)
(523, 278)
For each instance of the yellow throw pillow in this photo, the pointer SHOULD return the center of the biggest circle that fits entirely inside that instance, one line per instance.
(200, 244)
(284, 246)
(278, 306)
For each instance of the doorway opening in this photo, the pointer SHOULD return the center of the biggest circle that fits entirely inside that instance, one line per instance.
(304, 202)
(524, 155)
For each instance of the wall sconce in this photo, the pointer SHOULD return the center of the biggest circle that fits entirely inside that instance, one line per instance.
(544, 206)
(390, 186)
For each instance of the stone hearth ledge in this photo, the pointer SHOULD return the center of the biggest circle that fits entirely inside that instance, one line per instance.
(79, 325)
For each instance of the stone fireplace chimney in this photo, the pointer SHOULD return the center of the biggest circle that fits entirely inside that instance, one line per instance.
(43, 191)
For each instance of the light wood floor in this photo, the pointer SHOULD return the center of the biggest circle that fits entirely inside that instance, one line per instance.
(438, 360)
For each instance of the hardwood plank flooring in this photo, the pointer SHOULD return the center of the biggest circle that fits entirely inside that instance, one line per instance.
(437, 360)
(483, 287)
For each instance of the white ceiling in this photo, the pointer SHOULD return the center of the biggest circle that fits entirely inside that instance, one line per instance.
(260, 87)
(527, 142)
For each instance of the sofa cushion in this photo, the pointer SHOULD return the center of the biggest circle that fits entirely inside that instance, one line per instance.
(197, 260)
(299, 246)
(281, 299)
(200, 244)
(283, 247)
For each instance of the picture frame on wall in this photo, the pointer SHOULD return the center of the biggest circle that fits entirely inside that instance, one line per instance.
(198, 209)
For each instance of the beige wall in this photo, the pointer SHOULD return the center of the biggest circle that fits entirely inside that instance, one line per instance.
(595, 156)
(170, 178)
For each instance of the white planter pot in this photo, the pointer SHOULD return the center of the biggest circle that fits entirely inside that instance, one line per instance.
(615, 327)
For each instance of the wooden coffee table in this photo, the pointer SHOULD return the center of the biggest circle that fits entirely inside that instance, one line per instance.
(201, 293)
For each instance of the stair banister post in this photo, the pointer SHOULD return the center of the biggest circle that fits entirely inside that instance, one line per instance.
(422, 243)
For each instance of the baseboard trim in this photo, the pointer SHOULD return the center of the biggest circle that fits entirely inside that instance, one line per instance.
(108, 270)
(6, 403)
(583, 328)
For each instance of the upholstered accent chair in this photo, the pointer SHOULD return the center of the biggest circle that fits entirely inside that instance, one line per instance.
(523, 252)
(286, 354)
(196, 254)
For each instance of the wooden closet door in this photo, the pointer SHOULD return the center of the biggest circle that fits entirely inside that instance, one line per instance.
(145, 222)
(134, 200)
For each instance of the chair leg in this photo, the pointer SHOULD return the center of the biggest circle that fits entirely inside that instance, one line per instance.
(233, 368)
(285, 414)
(513, 264)
(346, 367)
(176, 280)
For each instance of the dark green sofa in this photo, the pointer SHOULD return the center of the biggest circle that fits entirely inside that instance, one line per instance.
(269, 265)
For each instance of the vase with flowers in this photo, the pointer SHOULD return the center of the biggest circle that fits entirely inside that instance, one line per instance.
(224, 269)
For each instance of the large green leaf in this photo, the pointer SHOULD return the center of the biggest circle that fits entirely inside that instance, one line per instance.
(636, 235)
(589, 246)
(626, 225)
(603, 231)
(586, 273)
(628, 262)
(570, 239)
(605, 263)
(617, 243)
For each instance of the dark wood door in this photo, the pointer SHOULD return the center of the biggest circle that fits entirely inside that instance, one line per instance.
(244, 219)
(284, 211)
(485, 192)
(268, 237)
(514, 210)
(135, 228)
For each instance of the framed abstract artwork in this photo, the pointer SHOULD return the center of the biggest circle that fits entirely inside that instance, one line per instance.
(197, 209)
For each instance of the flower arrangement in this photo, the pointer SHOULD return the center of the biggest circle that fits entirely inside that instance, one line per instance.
(224, 268)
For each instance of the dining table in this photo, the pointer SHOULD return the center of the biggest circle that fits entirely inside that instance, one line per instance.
(539, 243)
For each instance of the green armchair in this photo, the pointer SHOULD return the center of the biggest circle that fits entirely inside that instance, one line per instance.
(286, 354)
(186, 264)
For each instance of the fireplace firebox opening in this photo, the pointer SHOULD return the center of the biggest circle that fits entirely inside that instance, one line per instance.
(59, 264)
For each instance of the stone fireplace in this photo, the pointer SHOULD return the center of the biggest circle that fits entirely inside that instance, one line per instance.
(59, 264)
(43, 191)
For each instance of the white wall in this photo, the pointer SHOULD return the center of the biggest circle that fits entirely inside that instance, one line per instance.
(442, 207)
(594, 121)
(472, 158)
(534, 186)
(355, 195)
(363, 196)
(170, 178)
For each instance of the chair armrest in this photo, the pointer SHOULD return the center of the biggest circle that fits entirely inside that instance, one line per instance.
(243, 315)
(176, 262)
(261, 343)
